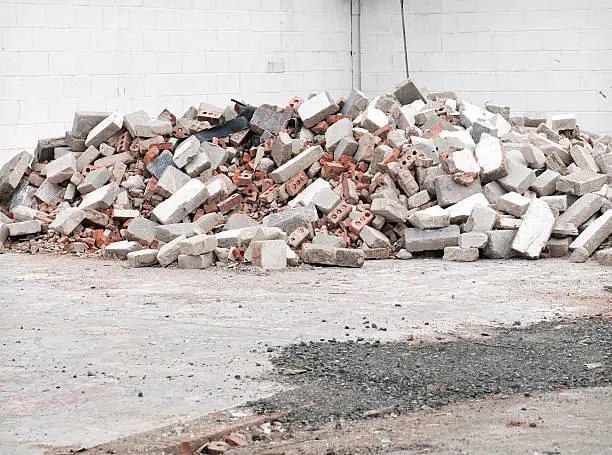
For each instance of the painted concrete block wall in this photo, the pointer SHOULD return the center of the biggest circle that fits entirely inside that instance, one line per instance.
(536, 55)
(58, 56)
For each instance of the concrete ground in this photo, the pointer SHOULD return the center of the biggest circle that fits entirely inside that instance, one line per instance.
(93, 351)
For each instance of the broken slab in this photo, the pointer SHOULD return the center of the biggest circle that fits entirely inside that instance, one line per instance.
(473, 240)
(186, 150)
(448, 192)
(342, 129)
(581, 210)
(458, 254)
(141, 229)
(339, 257)
(461, 211)
(106, 129)
(581, 182)
(11, 174)
(302, 161)
(317, 109)
(94, 180)
(196, 262)
(591, 238)
(499, 245)
(390, 209)
(416, 240)
(24, 228)
(61, 169)
(67, 220)
(170, 252)
(546, 183)
(142, 258)
(535, 230)
(374, 238)
(171, 181)
(513, 203)
(519, 177)
(198, 245)
(183, 202)
(482, 219)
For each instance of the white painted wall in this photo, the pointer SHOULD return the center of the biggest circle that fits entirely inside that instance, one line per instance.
(58, 56)
(535, 55)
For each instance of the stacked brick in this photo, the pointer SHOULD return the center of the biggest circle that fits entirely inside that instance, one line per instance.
(321, 181)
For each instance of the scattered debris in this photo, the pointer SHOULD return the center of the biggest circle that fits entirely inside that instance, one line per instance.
(321, 181)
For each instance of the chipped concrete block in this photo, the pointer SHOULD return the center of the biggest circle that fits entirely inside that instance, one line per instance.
(461, 211)
(141, 229)
(407, 92)
(269, 254)
(67, 220)
(186, 150)
(431, 218)
(581, 182)
(448, 192)
(546, 183)
(418, 199)
(535, 230)
(581, 210)
(106, 129)
(282, 148)
(374, 119)
(94, 180)
(343, 128)
(583, 158)
(391, 210)
(563, 122)
(24, 228)
(317, 109)
(556, 203)
(591, 238)
(183, 202)
(374, 238)
(499, 245)
(416, 240)
(462, 161)
(196, 262)
(482, 219)
(519, 177)
(198, 245)
(457, 254)
(170, 252)
(142, 258)
(297, 164)
(61, 169)
(513, 203)
(473, 240)
(339, 257)
(171, 181)
(490, 159)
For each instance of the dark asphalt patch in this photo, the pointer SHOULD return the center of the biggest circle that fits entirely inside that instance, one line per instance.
(345, 380)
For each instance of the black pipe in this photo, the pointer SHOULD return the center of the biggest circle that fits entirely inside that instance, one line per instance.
(405, 42)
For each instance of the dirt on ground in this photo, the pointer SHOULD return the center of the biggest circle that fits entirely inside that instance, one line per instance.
(348, 380)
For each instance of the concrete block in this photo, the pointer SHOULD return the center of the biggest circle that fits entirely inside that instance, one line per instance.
(490, 158)
(112, 160)
(142, 258)
(482, 219)
(270, 254)
(67, 220)
(87, 157)
(347, 146)
(263, 233)
(493, 191)
(556, 203)
(534, 119)
(519, 177)
(499, 245)
(236, 237)
(4, 234)
(100, 199)
(198, 164)
(130, 121)
(282, 149)
(23, 213)
(24, 228)
(581, 210)
(152, 128)
(461, 211)
(317, 109)
(239, 221)
(535, 230)
(581, 182)
(272, 119)
(196, 262)
(165, 160)
(604, 257)
(169, 232)
(291, 219)
(297, 164)
(106, 129)
(49, 192)
(171, 181)
(546, 183)
(94, 180)
(366, 146)
(374, 119)
(170, 252)
(183, 202)
(563, 122)
(326, 200)
(85, 121)
(473, 240)
(430, 240)
(502, 110)
(342, 129)
(392, 210)
(186, 150)
(431, 218)
(397, 139)
(356, 103)
(591, 238)
(448, 192)
(125, 214)
(549, 147)
(583, 158)
(418, 199)
(457, 254)
(141, 229)
(558, 248)
(407, 92)
(374, 238)
(481, 127)
(427, 147)
(534, 157)
(198, 245)
(107, 150)
(121, 249)
(60, 170)
(206, 223)
(513, 203)
(405, 180)
(339, 257)
(11, 174)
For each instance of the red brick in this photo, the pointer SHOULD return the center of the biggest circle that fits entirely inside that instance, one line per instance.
(296, 183)
(229, 203)
(434, 131)
(320, 128)
(214, 118)
(236, 440)
(297, 237)
(239, 138)
(363, 219)
(332, 170)
(167, 115)
(339, 213)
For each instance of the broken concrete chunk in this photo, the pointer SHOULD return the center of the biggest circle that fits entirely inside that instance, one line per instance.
(591, 238)
(374, 119)
(183, 202)
(490, 158)
(519, 177)
(431, 218)
(106, 129)
(513, 203)
(11, 174)
(416, 240)
(581, 182)
(24, 228)
(458, 254)
(499, 245)
(94, 180)
(196, 262)
(297, 164)
(317, 109)
(100, 199)
(67, 220)
(448, 192)
(61, 169)
(142, 258)
(482, 219)
(535, 230)
(269, 254)
(198, 245)
(339, 257)
(407, 92)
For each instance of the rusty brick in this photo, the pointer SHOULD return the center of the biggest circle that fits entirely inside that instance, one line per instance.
(239, 138)
(434, 131)
(332, 169)
(297, 237)
(269, 195)
(296, 183)
(339, 213)
(167, 115)
(363, 219)
(320, 128)
(214, 118)
(347, 161)
(382, 132)
(250, 193)
(229, 203)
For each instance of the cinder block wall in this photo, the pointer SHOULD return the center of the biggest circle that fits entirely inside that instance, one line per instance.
(57, 56)
(536, 55)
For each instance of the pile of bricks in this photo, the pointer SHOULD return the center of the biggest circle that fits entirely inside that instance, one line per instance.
(321, 181)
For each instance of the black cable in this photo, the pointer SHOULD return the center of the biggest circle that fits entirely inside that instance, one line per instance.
(405, 42)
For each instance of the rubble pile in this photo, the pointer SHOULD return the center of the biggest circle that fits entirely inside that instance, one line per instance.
(321, 181)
